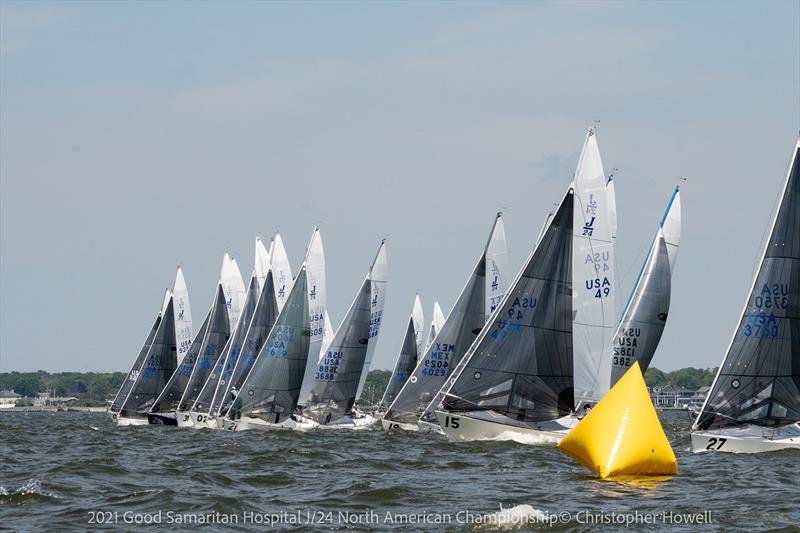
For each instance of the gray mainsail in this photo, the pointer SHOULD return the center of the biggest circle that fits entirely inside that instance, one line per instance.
(216, 336)
(759, 380)
(645, 316)
(406, 363)
(160, 363)
(333, 391)
(263, 319)
(130, 379)
(167, 401)
(463, 324)
(521, 366)
(272, 387)
(205, 400)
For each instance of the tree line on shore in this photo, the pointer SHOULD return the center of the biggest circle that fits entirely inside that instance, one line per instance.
(94, 388)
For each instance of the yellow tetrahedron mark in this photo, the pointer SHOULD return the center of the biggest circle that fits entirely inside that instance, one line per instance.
(622, 435)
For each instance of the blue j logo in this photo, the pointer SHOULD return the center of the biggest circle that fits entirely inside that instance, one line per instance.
(282, 291)
(494, 284)
(375, 301)
(313, 292)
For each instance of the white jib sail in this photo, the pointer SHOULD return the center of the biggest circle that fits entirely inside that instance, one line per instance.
(261, 263)
(496, 267)
(281, 271)
(437, 321)
(183, 316)
(418, 319)
(315, 271)
(233, 287)
(378, 275)
(671, 227)
(593, 275)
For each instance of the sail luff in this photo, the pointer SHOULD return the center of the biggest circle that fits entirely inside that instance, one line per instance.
(183, 315)
(752, 389)
(169, 398)
(378, 278)
(157, 368)
(525, 350)
(315, 275)
(130, 377)
(593, 273)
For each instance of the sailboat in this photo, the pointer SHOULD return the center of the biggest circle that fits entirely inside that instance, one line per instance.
(183, 330)
(378, 277)
(154, 373)
(409, 354)
(593, 275)
(214, 340)
(645, 315)
(163, 410)
(464, 323)
(754, 403)
(315, 277)
(263, 318)
(336, 382)
(269, 393)
(211, 395)
(520, 377)
(130, 378)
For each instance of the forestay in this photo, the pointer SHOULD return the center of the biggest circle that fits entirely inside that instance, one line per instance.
(759, 379)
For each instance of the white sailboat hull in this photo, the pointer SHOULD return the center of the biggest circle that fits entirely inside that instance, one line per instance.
(427, 427)
(202, 420)
(748, 439)
(347, 422)
(248, 423)
(389, 424)
(184, 419)
(462, 427)
(126, 421)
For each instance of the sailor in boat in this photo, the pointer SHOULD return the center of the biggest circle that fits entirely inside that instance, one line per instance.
(234, 393)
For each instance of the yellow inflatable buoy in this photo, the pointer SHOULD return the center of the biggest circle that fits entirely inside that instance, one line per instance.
(622, 435)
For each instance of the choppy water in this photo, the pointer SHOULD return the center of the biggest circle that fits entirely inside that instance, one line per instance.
(58, 472)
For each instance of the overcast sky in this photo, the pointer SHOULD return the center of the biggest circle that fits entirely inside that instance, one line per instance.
(134, 136)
